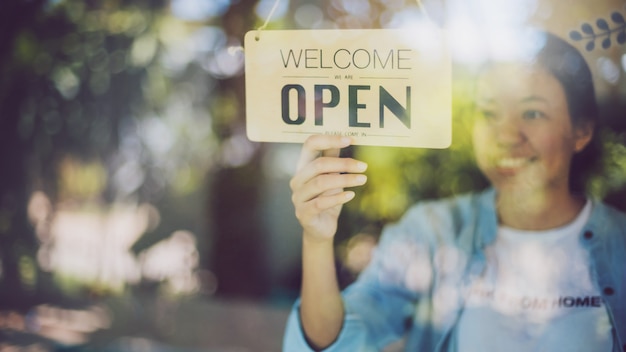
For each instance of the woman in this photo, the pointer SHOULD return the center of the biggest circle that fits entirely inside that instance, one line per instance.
(527, 265)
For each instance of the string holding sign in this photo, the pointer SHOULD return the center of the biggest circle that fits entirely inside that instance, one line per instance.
(267, 20)
(275, 6)
(423, 8)
(236, 49)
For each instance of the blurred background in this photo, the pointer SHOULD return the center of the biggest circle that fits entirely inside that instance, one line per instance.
(135, 215)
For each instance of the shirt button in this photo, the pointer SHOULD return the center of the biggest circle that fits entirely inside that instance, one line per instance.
(588, 235)
(609, 291)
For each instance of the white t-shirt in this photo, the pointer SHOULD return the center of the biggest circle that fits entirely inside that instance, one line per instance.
(536, 294)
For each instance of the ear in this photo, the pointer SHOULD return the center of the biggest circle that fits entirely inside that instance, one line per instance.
(582, 135)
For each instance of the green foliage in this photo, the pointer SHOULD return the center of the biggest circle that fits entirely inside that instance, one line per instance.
(86, 82)
(613, 177)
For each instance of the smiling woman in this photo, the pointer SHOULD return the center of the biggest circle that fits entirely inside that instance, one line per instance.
(525, 140)
(521, 266)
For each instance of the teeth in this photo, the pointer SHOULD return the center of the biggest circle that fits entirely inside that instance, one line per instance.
(510, 163)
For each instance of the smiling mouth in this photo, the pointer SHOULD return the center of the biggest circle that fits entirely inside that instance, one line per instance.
(511, 163)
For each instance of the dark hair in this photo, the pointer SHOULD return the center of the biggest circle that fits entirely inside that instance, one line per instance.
(569, 67)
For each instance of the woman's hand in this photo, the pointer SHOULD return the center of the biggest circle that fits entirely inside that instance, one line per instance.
(318, 195)
(319, 182)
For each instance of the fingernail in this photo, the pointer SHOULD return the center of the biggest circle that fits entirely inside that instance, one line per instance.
(361, 166)
(349, 195)
(361, 179)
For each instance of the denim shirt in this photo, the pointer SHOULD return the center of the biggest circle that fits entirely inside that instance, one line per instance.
(411, 289)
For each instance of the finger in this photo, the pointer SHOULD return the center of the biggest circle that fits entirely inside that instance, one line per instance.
(317, 145)
(327, 184)
(321, 204)
(326, 165)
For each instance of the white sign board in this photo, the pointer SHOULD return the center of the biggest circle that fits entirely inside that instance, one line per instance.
(380, 87)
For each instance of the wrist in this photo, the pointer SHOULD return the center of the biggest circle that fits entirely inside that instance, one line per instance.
(316, 241)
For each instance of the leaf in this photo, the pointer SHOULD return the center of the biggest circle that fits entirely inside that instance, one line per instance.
(575, 35)
(602, 24)
(621, 37)
(606, 43)
(586, 27)
(617, 17)
(590, 46)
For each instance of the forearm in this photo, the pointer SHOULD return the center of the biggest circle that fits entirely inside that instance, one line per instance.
(321, 306)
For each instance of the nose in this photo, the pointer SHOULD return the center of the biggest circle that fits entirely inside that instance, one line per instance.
(509, 132)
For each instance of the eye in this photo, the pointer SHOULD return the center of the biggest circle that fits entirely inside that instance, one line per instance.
(532, 115)
(487, 114)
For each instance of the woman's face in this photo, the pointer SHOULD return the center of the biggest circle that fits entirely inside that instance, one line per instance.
(523, 136)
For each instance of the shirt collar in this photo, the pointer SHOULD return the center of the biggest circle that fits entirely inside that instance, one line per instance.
(488, 220)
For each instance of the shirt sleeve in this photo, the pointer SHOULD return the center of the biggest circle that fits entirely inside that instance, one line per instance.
(380, 304)
(352, 337)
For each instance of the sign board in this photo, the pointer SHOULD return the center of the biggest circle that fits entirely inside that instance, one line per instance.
(380, 87)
